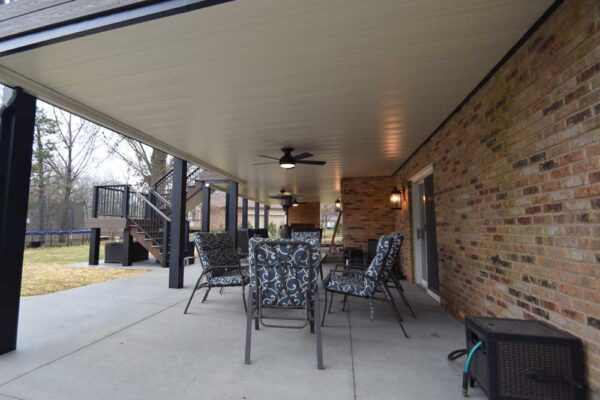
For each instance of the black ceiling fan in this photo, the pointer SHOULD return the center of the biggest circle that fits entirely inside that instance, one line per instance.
(288, 199)
(289, 161)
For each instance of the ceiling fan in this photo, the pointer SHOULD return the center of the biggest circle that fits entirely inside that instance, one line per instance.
(288, 199)
(289, 161)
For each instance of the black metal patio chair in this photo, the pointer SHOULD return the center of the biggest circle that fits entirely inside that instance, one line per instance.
(365, 283)
(283, 275)
(221, 265)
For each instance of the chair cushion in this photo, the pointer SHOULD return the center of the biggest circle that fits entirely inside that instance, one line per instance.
(216, 249)
(228, 280)
(347, 283)
(306, 235)
(284, 271)
(390, 262)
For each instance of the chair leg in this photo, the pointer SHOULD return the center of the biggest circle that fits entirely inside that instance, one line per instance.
(244, 298)
(193, 292)
(344, 302)
(388, 294)
(330, 303)
(402, 295)
(249, 312)
(206, 295)
(321, 271)
(317, 308)
(324, 310)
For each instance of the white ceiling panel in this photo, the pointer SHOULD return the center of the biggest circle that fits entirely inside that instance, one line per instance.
(359, 84)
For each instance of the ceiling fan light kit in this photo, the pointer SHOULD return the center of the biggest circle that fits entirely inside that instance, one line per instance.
(288, 161)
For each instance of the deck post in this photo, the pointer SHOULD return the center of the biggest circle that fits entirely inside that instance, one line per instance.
(94, 246)
(245, 213)
(206, 192)
(256, 215)
(126, 250)
(232, 211)
(266, 216)
(178, 241)
(17, 121)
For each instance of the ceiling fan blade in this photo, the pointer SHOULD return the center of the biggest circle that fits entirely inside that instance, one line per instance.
(303, 156)
(265, 163)
(272, 158)
(310, 162)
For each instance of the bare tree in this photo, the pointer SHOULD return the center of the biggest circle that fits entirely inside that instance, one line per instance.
(45, 129)
(148, 163)
(71, 153)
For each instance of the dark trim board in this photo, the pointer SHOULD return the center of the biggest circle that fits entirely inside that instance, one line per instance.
(489, 76)
(95, 23)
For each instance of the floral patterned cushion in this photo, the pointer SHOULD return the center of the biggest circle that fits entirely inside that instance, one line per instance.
(390, 262)
(306, 235)
(361, 283)
(283, 270)
(215, 250)
(229, 280)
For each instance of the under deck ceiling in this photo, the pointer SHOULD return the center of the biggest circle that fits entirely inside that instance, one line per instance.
(360, 84)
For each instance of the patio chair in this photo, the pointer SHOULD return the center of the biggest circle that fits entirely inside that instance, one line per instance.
(389, 275)
(221, 265)
(364, 284)
(310, 233)
(283, 275)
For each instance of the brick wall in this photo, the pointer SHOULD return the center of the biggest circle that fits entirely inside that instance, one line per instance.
(367, 212)
(307, 213)
(517, 174)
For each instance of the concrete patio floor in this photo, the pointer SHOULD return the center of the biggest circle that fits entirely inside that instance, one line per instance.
(129, 339)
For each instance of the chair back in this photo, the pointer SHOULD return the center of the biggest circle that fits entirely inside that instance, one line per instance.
(215, 250)
(285, 270)
(390, 261)
(374, 270)
(307, 233)
(242, 240)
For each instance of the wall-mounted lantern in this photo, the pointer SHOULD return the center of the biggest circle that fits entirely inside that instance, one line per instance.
(338, 205)
(396, 199)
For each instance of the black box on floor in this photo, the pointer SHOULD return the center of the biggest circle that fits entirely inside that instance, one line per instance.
(525, 359)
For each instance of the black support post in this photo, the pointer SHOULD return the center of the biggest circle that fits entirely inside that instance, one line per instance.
(227, 205)
(245, 213)
(266, 216)
(17, 121)
(94, 246)
(206, 191)
(232, 211)
(127, 245)
(178, 241)
(256, 215)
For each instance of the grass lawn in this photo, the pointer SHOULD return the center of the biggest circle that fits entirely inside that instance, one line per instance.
(46, 270)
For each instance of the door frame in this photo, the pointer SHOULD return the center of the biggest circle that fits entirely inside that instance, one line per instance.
(415, 180)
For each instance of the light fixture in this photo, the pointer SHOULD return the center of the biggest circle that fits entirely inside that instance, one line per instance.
(287, 161)
(286, 202)
(295, 203)
(338, 205)
(396, 199)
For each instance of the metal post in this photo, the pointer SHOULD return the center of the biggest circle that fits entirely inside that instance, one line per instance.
(178, 240)
(127, 245)
(206, 191)
(95, 203)
(266, 216)
(232, 211)
(227, 205)
(17, 121)
(125, 204)
(256, 215)
(245, 213)
(94, 246)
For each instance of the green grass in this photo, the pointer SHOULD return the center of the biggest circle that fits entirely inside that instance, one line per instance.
(47, 270)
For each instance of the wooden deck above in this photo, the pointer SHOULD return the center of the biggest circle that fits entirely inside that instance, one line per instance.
(107, 223)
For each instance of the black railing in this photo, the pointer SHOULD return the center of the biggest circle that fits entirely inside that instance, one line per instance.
(148, 211)
(164, 186)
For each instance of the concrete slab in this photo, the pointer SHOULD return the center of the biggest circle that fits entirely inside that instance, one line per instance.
(129, 339)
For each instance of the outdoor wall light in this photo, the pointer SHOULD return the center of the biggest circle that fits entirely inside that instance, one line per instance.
(338, 205)
(396, 199)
